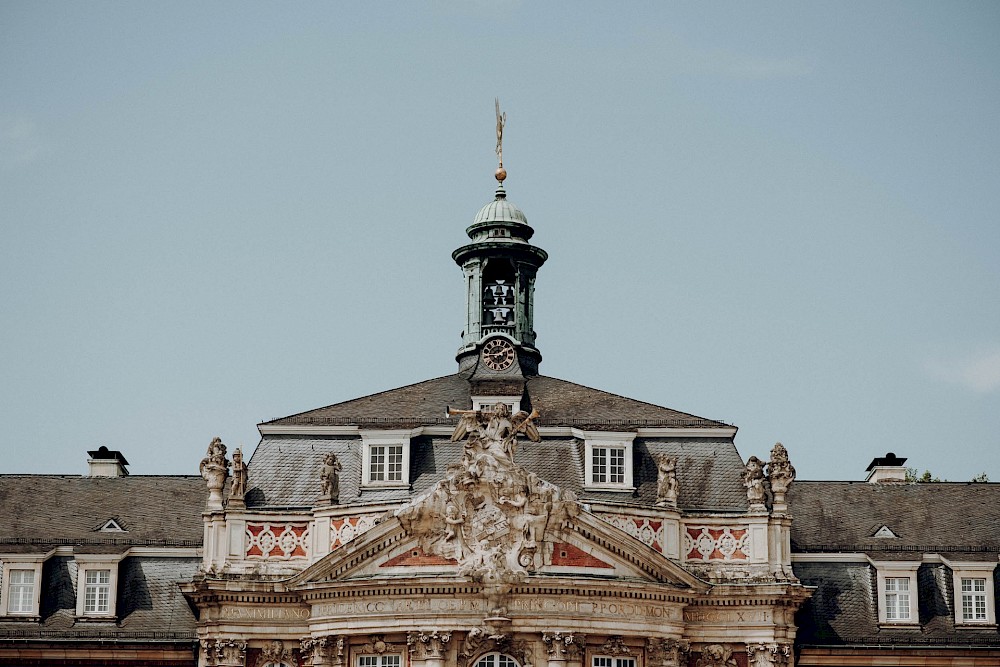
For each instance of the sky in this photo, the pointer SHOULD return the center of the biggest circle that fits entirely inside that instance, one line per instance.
(781, 215)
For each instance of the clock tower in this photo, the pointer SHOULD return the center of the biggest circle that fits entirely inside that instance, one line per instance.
(499, 267)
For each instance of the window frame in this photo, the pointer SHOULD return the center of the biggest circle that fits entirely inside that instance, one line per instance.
(10, 563)
(622, 442)
(85, 565)
(897, 570)
(615, 660)
(379, 658)
(498, 654)
(374, 439)
(973, 570)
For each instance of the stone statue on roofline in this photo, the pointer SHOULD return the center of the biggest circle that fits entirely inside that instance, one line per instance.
(329, 480)
(667, 488)
(780, 473)
(214, 469)
(238, 488)
(753, 480)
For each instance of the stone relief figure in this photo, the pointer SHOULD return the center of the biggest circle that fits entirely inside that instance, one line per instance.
(274, 651)
(753, 480)
(662, 652)
(490, 514)
(329, 479)
(716, 655)
(214, 469)
(667, 487)
(780, 473)
(238, 489)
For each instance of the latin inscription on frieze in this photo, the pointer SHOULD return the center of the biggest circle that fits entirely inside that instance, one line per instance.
(264, 613)
(727, 616)
(517, 606)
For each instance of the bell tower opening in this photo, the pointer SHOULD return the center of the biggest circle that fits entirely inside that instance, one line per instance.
(499, 297)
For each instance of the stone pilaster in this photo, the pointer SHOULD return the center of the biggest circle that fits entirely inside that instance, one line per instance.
(769, 655)
(576, 651)
(225, 652)
(325, 651)
(427, 648)
(557, 645)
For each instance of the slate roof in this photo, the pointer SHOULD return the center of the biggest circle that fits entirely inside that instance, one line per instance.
(284, 470)
(949, 518)
(560, 403)
(42, 511)
(843, 609)
(150, 605)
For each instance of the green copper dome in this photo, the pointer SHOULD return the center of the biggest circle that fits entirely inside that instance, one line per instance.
(500, 210)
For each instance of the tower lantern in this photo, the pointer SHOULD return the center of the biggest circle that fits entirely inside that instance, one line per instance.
(500, 266)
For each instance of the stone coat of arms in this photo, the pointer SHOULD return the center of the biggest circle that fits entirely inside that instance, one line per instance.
(493, 517)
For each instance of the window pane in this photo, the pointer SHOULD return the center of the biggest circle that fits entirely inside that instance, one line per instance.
(974, 599)
(395, 471)
(377, 464)
(97, 592)
(617, 472)
(600, 465)
(897, 598)
(21, 591)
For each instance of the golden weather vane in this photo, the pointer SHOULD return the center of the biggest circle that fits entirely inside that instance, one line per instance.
(501, 121)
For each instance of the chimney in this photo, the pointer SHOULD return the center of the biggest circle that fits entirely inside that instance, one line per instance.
(106, 462)
(887, 470)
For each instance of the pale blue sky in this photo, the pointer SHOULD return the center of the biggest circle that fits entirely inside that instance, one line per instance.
(780, 215)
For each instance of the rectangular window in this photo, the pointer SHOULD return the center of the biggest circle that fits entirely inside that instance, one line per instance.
(386, 463)
(607, 661)
(897, 598)
(21, 592)
(608, 465)
(97, 592)
(379, 660)
(973, 599)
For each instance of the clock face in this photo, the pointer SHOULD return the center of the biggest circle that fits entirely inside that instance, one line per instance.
(498, 354)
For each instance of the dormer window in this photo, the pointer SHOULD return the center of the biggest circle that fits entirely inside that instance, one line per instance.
(609, 461)
(97, 587)
(386, 459)
(973, 588)
(20, 586)
(897, 592)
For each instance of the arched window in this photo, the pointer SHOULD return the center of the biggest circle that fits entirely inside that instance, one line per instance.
(497, 660)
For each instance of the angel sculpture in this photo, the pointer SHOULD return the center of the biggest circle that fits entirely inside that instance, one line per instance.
(494, 431)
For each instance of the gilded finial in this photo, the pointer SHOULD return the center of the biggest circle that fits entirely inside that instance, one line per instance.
(500, 173)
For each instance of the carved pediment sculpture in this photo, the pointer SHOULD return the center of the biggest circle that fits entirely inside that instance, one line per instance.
(667, 488)
(214, 468)
(495, 518)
